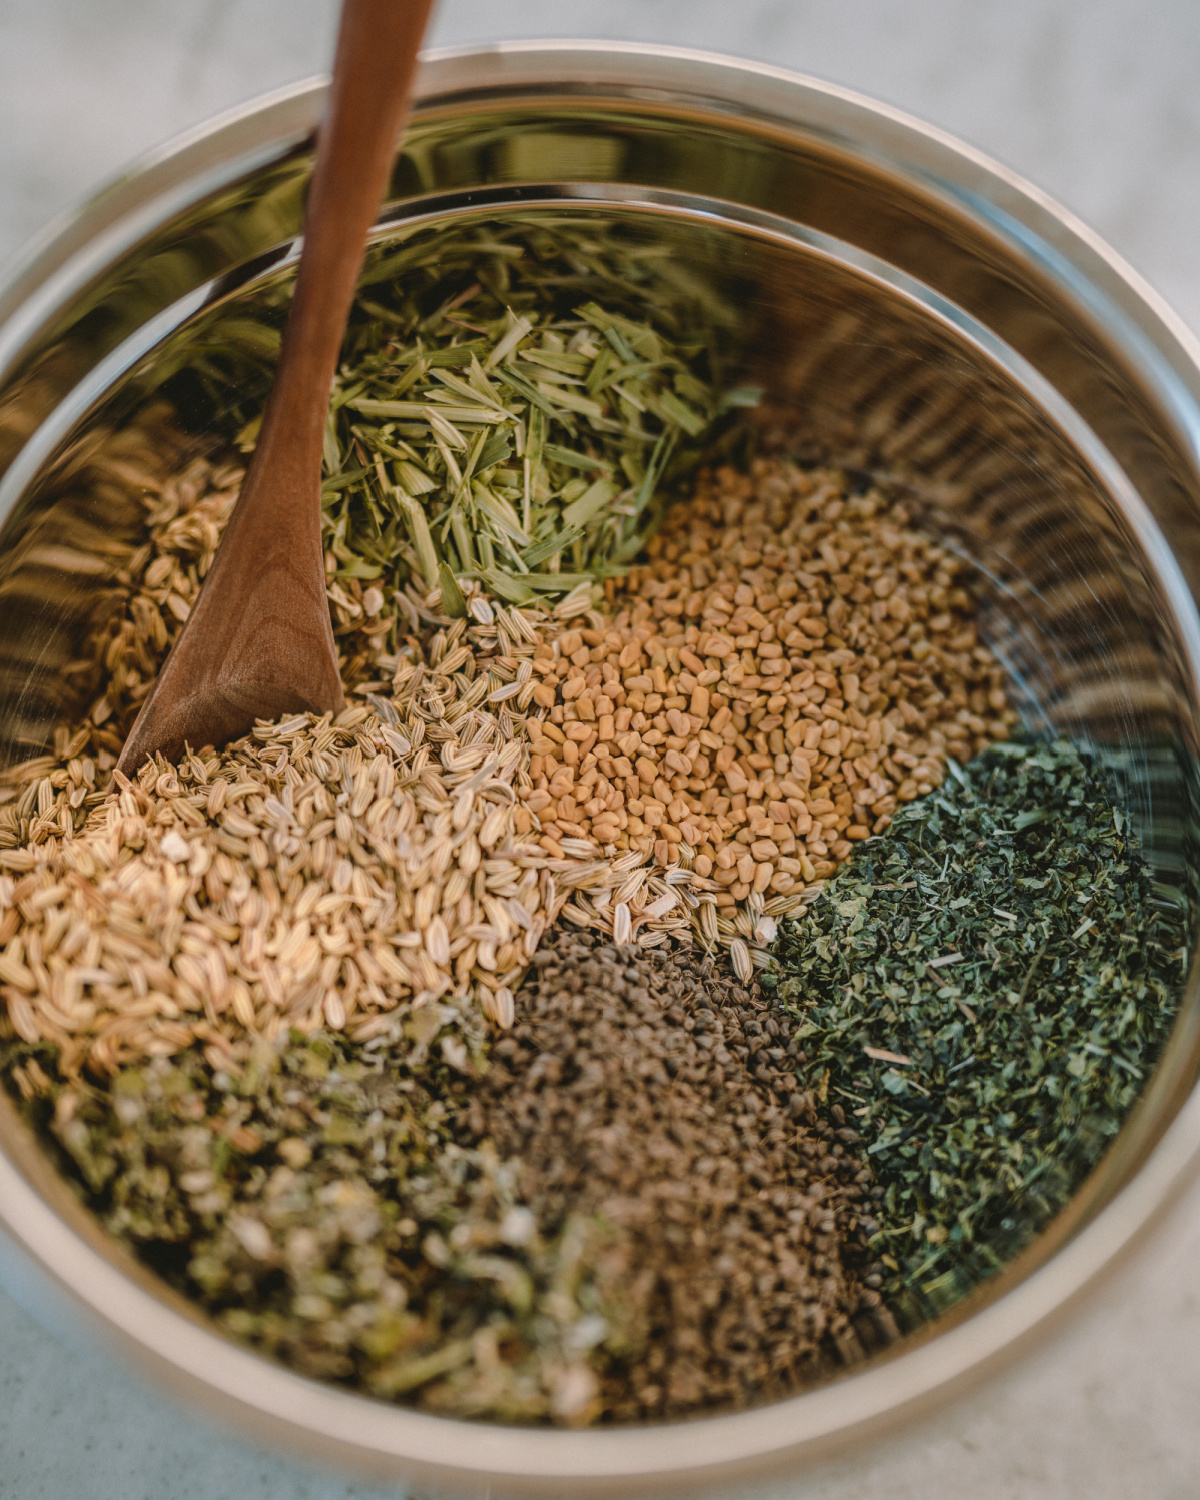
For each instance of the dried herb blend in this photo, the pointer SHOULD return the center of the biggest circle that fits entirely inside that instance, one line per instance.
(625, 1217)
(983, 991)
(622, 1203)
(276, 1192)
(492, 419)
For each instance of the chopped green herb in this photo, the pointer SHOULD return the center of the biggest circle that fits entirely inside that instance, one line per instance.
(989, 985)
(524, 386)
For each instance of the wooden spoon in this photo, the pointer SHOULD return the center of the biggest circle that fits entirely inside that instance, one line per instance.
(258, 643)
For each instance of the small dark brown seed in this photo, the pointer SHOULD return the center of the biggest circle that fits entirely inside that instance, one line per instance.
(614, 1102)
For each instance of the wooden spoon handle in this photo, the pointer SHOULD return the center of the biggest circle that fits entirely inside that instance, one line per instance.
(372, 79)
(277, 523)
(259, 643)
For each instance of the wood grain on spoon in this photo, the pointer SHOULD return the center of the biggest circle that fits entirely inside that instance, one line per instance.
(259, 643)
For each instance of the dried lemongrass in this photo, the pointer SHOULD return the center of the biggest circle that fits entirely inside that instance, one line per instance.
(521, 450)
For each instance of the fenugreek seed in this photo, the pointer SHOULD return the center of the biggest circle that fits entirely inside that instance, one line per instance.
(795, 745)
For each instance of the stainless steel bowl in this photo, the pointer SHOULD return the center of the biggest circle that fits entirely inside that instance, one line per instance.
(910, 309)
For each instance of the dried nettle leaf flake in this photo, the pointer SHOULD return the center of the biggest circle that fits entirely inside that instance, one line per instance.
(984, 991)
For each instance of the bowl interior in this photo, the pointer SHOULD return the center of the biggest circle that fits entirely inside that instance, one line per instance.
(885, 334)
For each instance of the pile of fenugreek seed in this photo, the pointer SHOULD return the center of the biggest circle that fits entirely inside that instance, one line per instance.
(406, 1042)
(792, 663)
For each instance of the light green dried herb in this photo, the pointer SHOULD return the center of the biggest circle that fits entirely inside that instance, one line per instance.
(983, 991)
(315, 1201)
(512, 400)
(516, 399)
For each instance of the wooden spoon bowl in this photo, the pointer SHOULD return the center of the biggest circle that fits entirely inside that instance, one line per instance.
(259, 642)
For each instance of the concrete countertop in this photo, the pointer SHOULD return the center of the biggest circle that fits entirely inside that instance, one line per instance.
(1095, 103)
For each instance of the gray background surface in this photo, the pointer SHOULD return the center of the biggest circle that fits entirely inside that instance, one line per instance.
(1095, 101)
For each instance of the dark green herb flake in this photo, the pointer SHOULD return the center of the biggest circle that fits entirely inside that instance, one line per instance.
(984, 991)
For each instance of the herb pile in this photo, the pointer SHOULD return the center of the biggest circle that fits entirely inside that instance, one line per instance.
(629, 1183)
(626, 1216)
(984, 990)
(492, 420)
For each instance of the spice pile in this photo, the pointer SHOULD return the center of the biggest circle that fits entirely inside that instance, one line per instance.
(628, 1216)
(657, 1099)
(319, 873)
(248, 995)
(793, 663)
(984, 991)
